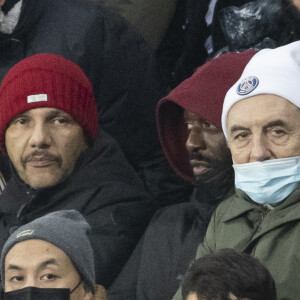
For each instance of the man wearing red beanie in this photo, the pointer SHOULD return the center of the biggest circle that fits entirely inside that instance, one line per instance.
(118, 62)
(61, 160)
(189, 126)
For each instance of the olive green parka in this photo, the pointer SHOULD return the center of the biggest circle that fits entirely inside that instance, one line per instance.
(271, 234)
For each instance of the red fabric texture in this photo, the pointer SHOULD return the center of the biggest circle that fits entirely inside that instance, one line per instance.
(203, 94)
(66, 86)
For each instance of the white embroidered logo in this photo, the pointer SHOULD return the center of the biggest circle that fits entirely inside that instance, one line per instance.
(37, 98)
(25, 232)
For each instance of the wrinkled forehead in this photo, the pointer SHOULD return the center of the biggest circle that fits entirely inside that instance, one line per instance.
(262, 108)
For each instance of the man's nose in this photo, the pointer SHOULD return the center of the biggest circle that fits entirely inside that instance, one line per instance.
(30, 281)
(195, 141)
(260, 149)
(39, 136)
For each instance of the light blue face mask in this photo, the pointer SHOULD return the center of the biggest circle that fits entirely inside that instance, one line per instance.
(270, 181)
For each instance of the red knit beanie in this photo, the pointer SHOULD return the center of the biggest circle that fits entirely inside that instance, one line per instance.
(203, 94)
(48, 80)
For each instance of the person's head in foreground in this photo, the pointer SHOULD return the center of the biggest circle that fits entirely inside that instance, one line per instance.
(48, 117)
(261, 121)
(228, 275)
(189, 121)
(50, 258)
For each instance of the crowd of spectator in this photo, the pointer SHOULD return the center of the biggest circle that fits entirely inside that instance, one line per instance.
(149, 150)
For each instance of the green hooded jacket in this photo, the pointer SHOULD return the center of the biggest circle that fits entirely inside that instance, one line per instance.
(271, 234)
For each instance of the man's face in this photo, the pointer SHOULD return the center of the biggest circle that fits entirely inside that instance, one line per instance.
(37, 263)
(44, 145)
(206, 144)
(263, 127)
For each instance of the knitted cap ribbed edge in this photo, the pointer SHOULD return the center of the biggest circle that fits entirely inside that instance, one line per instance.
(65, 84)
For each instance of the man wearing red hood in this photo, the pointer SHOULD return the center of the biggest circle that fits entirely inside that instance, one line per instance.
(189, 126)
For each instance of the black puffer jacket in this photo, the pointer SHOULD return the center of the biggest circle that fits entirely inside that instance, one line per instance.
(104, 188)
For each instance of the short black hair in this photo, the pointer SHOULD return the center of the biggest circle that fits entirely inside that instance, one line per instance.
(215, 275)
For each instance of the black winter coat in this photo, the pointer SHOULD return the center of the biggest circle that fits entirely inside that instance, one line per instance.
(157, 265)
(104, 188)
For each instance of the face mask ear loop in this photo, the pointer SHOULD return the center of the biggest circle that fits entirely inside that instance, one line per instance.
(76, 287)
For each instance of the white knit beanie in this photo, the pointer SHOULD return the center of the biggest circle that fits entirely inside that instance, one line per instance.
(270, 71)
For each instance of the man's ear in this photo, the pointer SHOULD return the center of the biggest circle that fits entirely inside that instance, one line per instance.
(2, 2)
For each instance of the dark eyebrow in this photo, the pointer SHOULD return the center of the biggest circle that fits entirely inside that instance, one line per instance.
(59, 113)
(56, 112)
(50, 261)
(276, 123)
(235, 128)
(14, 267)
(20, 115)
(52, 112)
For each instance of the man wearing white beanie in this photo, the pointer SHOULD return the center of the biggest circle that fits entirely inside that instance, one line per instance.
(261, 122)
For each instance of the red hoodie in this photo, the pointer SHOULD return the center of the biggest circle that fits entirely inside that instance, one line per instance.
(203, 94)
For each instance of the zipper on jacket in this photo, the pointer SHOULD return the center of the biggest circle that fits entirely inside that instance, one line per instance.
(30, 196)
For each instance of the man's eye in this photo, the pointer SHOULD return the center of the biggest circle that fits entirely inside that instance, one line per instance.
(48, 277)
(20, 121)
(241, 136)
(60, 121)
(16, 278)
(208, 125)
(278, 132)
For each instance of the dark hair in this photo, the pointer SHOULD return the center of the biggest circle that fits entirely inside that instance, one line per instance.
(214, 276)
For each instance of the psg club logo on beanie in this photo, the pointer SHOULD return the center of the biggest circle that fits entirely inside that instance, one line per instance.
(278, 71)
(247, 85)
